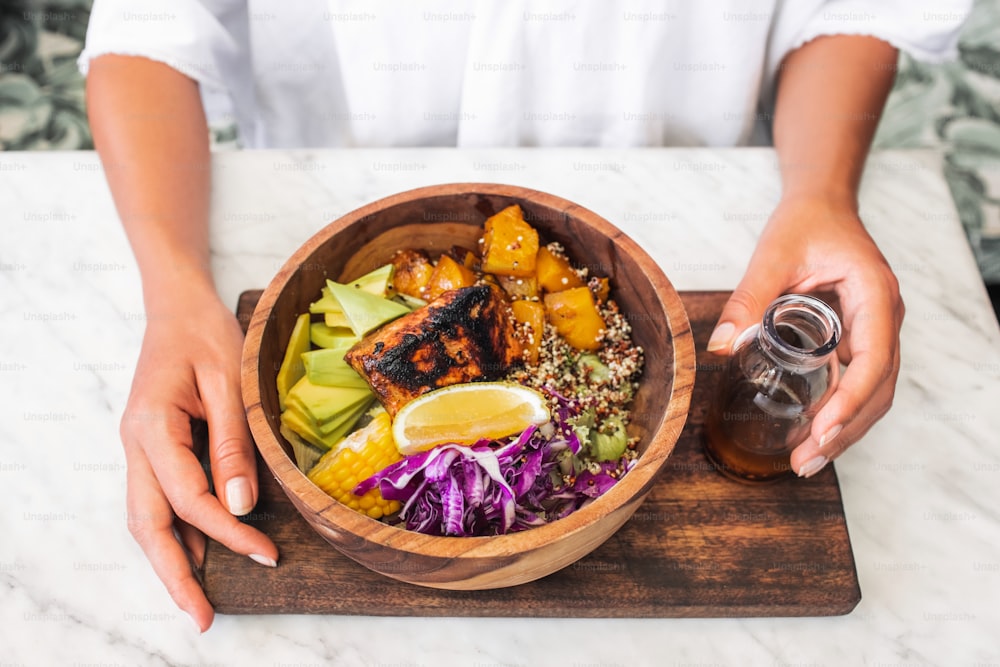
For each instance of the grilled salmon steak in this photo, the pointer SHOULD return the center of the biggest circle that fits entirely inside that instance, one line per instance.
(464, 335)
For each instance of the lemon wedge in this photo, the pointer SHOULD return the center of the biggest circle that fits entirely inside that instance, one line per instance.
(465, 413)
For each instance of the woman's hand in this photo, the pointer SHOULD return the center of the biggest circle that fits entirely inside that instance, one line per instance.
(819, 245)
(150, 130)
(189, 367)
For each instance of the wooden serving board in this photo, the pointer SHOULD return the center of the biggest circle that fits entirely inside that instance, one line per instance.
(700, 546)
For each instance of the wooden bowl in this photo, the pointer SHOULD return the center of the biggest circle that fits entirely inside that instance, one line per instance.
(435, 218)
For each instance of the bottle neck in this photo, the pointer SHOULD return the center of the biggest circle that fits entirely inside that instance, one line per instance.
(799, 332)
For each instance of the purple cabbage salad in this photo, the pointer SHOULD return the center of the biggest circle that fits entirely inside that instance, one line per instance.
(500, 486)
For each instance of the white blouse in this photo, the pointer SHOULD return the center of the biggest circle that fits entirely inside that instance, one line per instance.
(329, 73)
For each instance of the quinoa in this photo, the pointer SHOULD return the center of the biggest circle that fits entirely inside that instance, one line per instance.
(563, 368)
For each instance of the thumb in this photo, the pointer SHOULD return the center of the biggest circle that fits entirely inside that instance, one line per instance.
(759, 287)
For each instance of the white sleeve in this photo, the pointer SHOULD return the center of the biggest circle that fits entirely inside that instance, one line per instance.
(925, 29)
(206, 40)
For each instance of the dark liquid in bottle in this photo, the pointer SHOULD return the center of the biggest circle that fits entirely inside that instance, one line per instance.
(760, 416)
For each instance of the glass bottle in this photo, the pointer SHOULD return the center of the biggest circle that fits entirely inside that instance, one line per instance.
(779, 375)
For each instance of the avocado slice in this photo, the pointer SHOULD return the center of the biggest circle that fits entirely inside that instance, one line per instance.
(611, 444)
(332, 431)
(326, 303)
(365, 311)
(299, 422)
(328, 368)
(292, 369)
(324, 404)
(376, 283)
(336, 321)
(595, 368)
(324, 336)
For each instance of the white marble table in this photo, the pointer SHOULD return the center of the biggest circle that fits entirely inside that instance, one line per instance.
(922, 491)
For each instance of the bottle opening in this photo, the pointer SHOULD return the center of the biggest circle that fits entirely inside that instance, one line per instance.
(801, 329)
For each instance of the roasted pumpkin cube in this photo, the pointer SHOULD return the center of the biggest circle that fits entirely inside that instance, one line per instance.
(509, 244)
(490, 279)
(412, 273)
(575, 317)
(448, 275)
(554, 272)
(531, 313)
(519, 288)
(601, 287)
(465, 257)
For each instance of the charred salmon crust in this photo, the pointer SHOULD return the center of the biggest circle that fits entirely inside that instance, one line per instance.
(464, 335)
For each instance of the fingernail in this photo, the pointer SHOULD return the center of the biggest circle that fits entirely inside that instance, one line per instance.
(263, 560)
(721, 337)
(831, 433)
(197, 626)
(239, 496)
(813, 466)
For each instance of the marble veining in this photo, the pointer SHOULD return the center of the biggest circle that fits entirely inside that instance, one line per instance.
(920, 492)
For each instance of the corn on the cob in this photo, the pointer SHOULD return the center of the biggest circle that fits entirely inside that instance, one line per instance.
(354, 459)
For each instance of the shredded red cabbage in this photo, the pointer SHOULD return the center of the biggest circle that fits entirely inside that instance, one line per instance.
(495, 487)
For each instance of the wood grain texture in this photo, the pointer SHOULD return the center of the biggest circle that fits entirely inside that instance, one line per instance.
(700, 545)
(432, 218)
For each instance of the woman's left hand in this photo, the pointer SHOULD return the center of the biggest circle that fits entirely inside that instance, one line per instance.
(817, 245)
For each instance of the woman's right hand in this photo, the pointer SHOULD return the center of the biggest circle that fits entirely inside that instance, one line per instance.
(189, 367)
(149, 127)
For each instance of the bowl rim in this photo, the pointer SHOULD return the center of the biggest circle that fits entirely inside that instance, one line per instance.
(631, 487)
